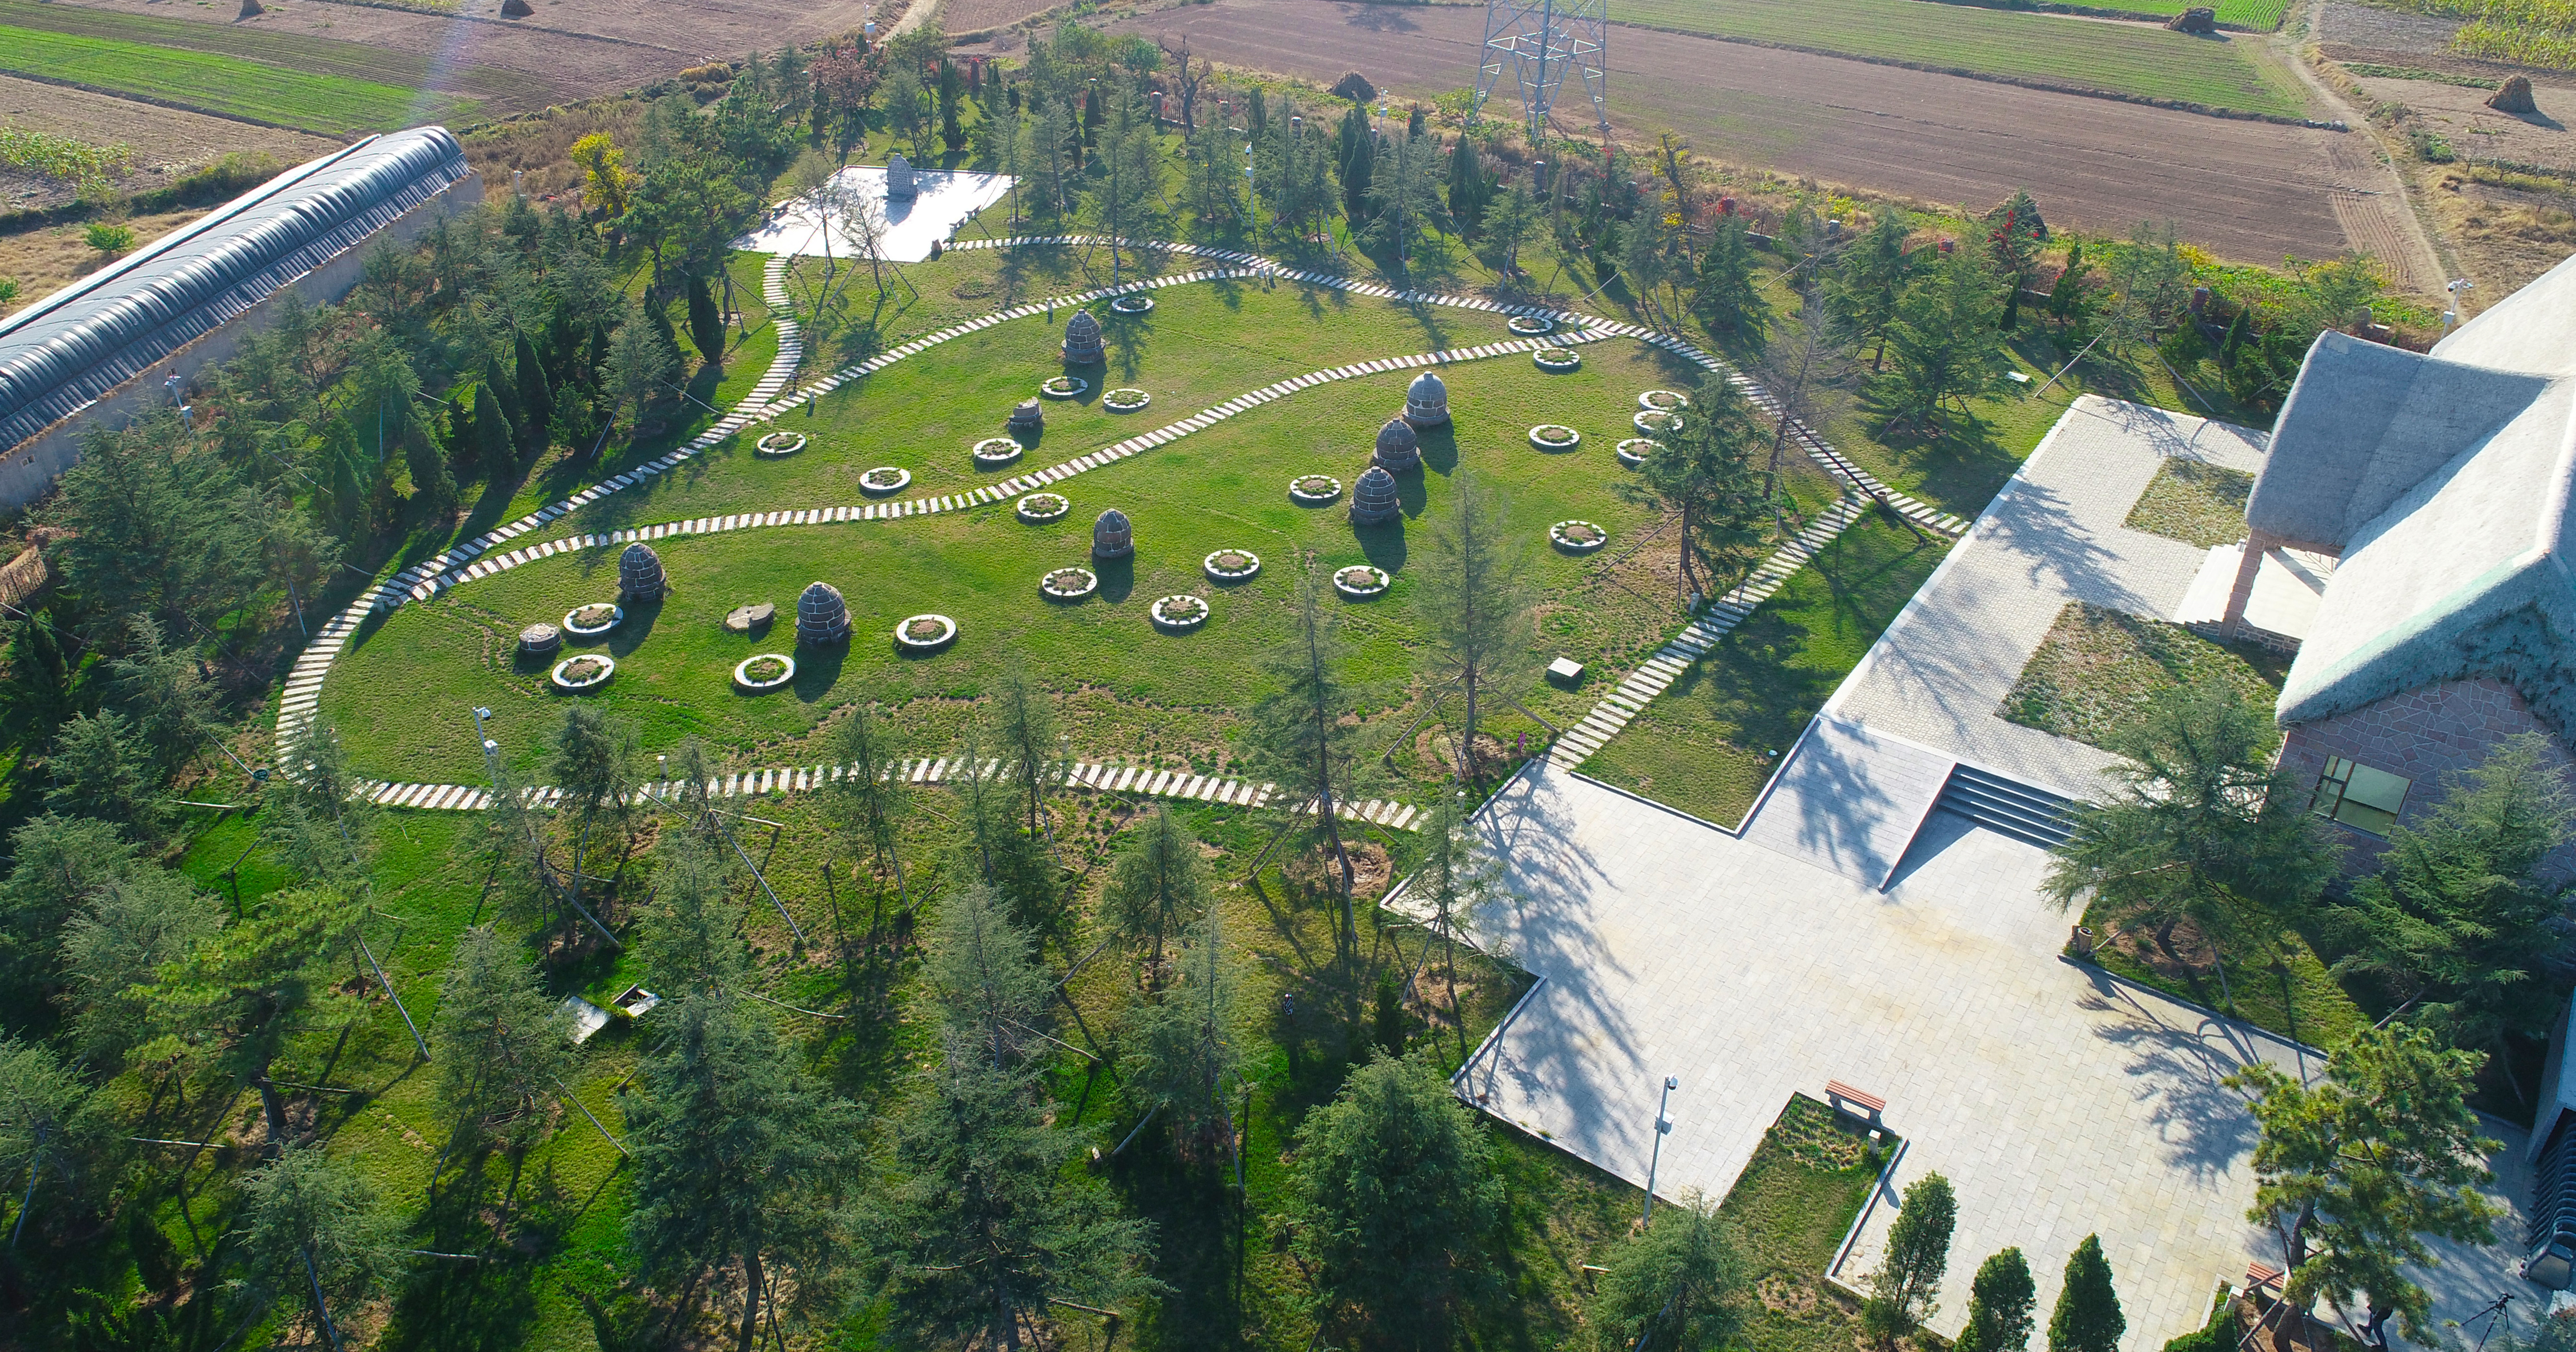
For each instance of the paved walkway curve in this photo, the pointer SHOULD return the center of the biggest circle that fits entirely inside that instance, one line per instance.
(300, 697)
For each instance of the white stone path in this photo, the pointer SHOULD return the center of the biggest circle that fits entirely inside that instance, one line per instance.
(301, 695)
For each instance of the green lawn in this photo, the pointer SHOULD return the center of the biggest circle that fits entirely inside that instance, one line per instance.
(1787, 1214)
(2259, 15)
(400, 691)
(2127, 59)
(1710, 740)
(224, 84)
(2098, 668)
(2196, 503)
(295, 51)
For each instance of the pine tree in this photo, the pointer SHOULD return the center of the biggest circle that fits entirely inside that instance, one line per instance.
(639, 366)
(100, 768)
(694, 924)
(706, 322)
(494, 438)
(242, 991)
(1297, 733)
(1455, 873)
(502, 1047)
(1705, 471)
(1508, 227)
(593, 762)
(536, 398)
(1942, 347)
(2087, 1317)
(1870, 281)
(1675, 1284)
(1727, 298)
(1181, 1052)
(1034, 752)
(1469, 190)
(1473, 594)
(867, 799)
(59, 864)
(115, 947)
(1906, 1288)
(55, 1136)
(2000, 1305)
(1356, 156)
(1157, 882)
(316, 1235)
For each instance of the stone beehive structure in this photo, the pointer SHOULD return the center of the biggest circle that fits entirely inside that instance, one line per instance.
(1373, 501)
(902, 184)
(1426, 403)
(822, 617)
(1111, 536)
(1027, 420)
(1397, 448)
(639, 573)
(1082, 340)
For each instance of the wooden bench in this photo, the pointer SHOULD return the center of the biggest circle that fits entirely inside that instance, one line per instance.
(1838, 1094)
(2261, 1277)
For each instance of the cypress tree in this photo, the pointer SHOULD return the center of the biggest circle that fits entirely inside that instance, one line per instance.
(706, 322)
(1468, 189)
(1356, 152)
(2233, 346)
(1999, 1306)
(2088, 1317)
(492, 431)
(536, 398)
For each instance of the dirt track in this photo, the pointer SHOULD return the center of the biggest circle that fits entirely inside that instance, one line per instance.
(2250, 191)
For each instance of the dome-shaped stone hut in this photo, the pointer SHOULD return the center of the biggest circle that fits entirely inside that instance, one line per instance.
(1373, 501)
(1082, 340)
(639, 573)
(1397, 448)
(822, 617)
(1111, 536)
(1426, 402)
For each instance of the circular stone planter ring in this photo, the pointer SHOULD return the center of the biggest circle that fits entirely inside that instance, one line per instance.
(1577, 537)
(993, 451)
(929, 641)
(1040, 508)
(573, 626)
(1063, 387)
(1663, 401)
(1179, 613)
(1555, 437)
(1068, 584)
(1557, 358)
(1634, 450)
(1654, 421)
(1314, 490)
(1125, 400)
(1133, 303)
(742, 672)
(1532, 326)
(1360, 581)
(777, 444)
(599, 674)
(884, 479)
(1245, 564)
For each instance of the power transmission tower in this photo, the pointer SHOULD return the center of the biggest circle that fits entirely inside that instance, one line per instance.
(1535, 45)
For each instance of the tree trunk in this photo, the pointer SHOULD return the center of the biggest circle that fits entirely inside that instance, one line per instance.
(274, 1109)
(752, 1287)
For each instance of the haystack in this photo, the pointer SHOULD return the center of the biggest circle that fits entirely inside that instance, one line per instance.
(1354, 87)
(2197, 19)
(251, 9)
(2514, 96)
(516, 9)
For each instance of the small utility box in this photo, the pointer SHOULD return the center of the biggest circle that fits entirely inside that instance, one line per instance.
(1565, 671)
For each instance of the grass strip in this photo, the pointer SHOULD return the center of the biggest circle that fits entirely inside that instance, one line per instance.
(222, 84)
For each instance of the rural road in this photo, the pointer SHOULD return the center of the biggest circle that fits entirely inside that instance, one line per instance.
(2247, 191)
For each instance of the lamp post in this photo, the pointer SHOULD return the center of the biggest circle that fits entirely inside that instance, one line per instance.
(1663, 1127)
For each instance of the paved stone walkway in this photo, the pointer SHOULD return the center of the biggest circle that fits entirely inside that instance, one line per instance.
(2053, 535)
(2058, 1101)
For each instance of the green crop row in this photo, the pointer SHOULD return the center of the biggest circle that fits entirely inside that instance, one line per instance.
(2122, 59)
(2260, 15)
(222, 84)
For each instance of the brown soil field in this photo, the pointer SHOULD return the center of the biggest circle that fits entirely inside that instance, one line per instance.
(2458, 114)
(45, 260)
(2504, 235)
(977, 16)
(2248, 191)
(167, 143)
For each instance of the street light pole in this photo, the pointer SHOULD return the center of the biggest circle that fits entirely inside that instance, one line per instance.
(1663, 1127)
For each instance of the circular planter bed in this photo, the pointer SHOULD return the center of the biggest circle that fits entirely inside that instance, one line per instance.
(1040, 508)
(1133, 303)
(992, 451)
(1231, 565)
(1180, 612)
(593, 620)
(1634, 450)
(764, 671)
(777, 444)
(589, 671)
(1532, 326)
(1653, 422)
(924, 633)
(1577, 537)
(1663, 401)
(885, 479)
(1069, 584)
(1314, 490)
(1063, 387)
(1558, 359)
(1360, 581)
(1126, 399)
(1555, 437)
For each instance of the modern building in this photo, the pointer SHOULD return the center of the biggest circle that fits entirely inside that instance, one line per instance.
(108, 346)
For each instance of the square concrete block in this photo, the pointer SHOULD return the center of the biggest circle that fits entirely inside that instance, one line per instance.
(1565, 671)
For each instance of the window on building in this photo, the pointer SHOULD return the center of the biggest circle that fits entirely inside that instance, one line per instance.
(2358, 796)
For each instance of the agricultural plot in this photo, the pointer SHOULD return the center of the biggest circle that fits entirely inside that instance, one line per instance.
(2261, 16)
(226, 85)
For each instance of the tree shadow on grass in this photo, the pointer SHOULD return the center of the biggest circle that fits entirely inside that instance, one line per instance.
(1959, 462)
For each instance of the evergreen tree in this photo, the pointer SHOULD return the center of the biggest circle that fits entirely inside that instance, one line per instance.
(155, 527)
(503, 1047)
(1472, 591)
(1455, 873)
(1157, 882)
(55, 1138)
(593, 762)
(867, 799)
(639, 366)
(1869, 283)
(1181, 1051)
(164, 695)
(2000, 1306)
(242, 991)
(536, 398)
(494, 438)
(1034, 753)
(706, 322)
(101, 768)
(1941, 347)
(1704, 470)
(1727, 298)
(695, 926)
(1394, 1196)
(114, 949)
(2013, 236)
(1508, 227)
(1214, 169)
(58, 865)
(1129, 177)
(1297, 733)
(985, 981)
(1677, 1284)
(1356, 156)
(2070, 298)
(2087, 1317)
(315, 1234)
(1906, 1289)
(1469, 190)
(2353, 1173)
(1403, 193)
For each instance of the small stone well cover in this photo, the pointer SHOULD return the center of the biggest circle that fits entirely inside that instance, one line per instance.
(1397, 449)
(1426, 403)
(822, 617)
(1373, 501)
(639, 572)
(1111, 536)
(1082, 339)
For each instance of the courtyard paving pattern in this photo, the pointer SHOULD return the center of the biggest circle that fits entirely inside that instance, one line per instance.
(2059, 1101)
